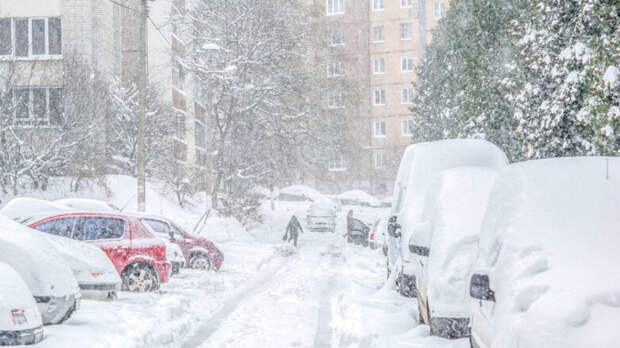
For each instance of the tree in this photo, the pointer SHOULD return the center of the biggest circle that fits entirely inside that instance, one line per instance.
(460, 91)
(250, 57)
(41, 139)
(563, 103)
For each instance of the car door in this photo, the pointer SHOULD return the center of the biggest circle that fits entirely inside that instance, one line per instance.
(107, 233)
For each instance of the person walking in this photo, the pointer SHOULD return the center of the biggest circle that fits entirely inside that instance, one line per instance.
(293, 229)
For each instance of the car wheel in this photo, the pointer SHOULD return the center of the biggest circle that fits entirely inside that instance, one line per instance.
(140, 277)
(201, 262)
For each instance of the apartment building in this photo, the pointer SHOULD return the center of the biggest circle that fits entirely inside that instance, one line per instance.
(399, 32)
(36, 39)
(388, 39)
(166, 44)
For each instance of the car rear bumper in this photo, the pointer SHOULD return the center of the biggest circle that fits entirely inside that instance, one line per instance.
(56, 309)
(101, 292)
(164, 268)
(23, 337)
(450, 327)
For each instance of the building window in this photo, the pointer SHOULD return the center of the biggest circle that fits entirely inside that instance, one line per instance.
(335, 7)
(406, 95)
(335, 69)
(406, 64)
(406, 31)
(377, 34)
(379, 129)
(379, 66)
(34, 107)
(337, 164)
(336, 37)
(407, 128)
(380, 160)
(30, 37)
(439, 10)
(335, 99)
(406, 3)
(377, 5)
(379, 96)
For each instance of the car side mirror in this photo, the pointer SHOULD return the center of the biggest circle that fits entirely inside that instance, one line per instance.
(480, 288)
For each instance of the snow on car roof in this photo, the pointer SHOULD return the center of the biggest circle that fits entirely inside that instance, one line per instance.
(430, 159)
(359, 196)
(83, 204)
(22, 208)
(458, 210)
(550, 239)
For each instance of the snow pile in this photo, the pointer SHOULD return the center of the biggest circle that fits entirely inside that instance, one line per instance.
(549, 243)
(358, 197)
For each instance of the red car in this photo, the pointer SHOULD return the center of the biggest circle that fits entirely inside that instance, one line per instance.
(139, 257)
(200, 253)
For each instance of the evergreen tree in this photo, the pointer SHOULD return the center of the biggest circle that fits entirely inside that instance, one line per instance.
(564, 105)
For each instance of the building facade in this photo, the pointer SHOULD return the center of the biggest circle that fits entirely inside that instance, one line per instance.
(388, 37)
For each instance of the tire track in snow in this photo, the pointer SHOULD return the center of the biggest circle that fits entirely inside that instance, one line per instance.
(204, 332)
(323, 336)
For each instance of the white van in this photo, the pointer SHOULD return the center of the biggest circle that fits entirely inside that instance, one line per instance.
(427, 161)
(547, 270)
(459, 201)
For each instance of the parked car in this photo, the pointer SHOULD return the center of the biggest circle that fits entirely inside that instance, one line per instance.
(20, 321)
(138, 256)
(547, 268)
(321, 216)
(300, 193)
(92, 269)
(447, 247)
(358, 198)
(427, 161)
(199, 253)
(49, 278)
(358, 232)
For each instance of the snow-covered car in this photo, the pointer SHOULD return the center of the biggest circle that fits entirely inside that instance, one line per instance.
(91, 267)
(300, 193)
(20, 321)
(449, 247)
(49, 278)
(199, 253)
(358, 198)
(546, 274)
(321, 216)
(427, 161)
(90, 205)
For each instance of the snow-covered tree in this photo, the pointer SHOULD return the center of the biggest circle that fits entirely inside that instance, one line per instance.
(58, 139)
(459, 86)
(250, 57)
(565, 86)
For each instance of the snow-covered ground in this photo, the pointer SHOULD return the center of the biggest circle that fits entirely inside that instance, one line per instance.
(326, 293)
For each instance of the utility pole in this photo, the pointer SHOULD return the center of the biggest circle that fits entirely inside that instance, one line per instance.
(142, 81)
